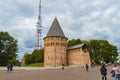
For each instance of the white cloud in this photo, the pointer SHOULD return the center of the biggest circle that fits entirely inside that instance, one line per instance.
(100, 2)
(95, 14)
(108, 12)
(87, 19)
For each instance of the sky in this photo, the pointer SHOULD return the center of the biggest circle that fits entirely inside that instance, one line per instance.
(79, 19)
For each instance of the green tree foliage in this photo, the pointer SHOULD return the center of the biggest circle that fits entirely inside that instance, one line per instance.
(28, 58)
(8, 48)
(73, 42)
(100, 50)
(36, 57)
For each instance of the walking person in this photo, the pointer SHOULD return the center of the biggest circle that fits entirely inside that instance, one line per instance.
(103, 71)
(86, 66)
(62, 66)
(11, 67)
(8, 67)
(116, 71)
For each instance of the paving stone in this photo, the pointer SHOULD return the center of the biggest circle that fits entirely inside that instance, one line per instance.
(21, 73)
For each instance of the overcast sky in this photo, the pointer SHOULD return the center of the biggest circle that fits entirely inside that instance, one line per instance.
(83, 19)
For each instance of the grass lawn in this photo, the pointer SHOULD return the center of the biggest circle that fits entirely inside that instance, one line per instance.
(35, 65)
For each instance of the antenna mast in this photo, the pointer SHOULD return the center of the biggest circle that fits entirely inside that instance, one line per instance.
(38, 43)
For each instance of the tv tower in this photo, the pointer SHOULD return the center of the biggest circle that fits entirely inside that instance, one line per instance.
(38, 43)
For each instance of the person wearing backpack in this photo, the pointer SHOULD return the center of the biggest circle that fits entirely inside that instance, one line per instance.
(103, 71)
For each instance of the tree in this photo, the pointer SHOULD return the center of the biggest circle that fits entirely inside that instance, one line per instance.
(8, 48)
(101, 51)
(73, 42)
(28, 59)
(36, 57)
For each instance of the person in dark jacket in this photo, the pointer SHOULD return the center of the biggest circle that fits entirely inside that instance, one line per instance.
(62, 66)
(86, 66)
(11, 67)
(8, 67)
(103, 71)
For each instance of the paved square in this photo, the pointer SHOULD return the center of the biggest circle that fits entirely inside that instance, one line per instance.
(54, 74)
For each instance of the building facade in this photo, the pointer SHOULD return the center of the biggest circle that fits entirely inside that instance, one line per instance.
(78, 55)
(56, 52)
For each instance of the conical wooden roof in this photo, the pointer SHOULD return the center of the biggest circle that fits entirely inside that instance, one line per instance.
(55, 30)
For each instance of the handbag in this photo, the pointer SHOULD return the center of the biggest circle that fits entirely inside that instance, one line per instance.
(113, 73)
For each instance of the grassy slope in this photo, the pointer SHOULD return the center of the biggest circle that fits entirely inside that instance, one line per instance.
(35, 65)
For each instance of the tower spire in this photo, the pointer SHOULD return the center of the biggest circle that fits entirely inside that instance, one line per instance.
(38, 43)
(40, 8)
(39, 15)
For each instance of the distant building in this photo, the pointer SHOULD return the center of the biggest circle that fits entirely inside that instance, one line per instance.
(23, 60)
(57, 53)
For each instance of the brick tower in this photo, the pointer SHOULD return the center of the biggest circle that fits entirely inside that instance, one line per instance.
(55, 45)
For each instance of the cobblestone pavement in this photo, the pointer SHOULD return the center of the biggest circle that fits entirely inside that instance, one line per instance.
(53, 74)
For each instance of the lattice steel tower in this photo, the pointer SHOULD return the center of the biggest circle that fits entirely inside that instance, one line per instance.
(38, 43)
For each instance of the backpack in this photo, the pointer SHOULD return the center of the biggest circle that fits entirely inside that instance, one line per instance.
(103, 71)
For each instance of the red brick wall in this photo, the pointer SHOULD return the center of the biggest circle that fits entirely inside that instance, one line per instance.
(56, 54)
(77, 57)
(55, 51)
